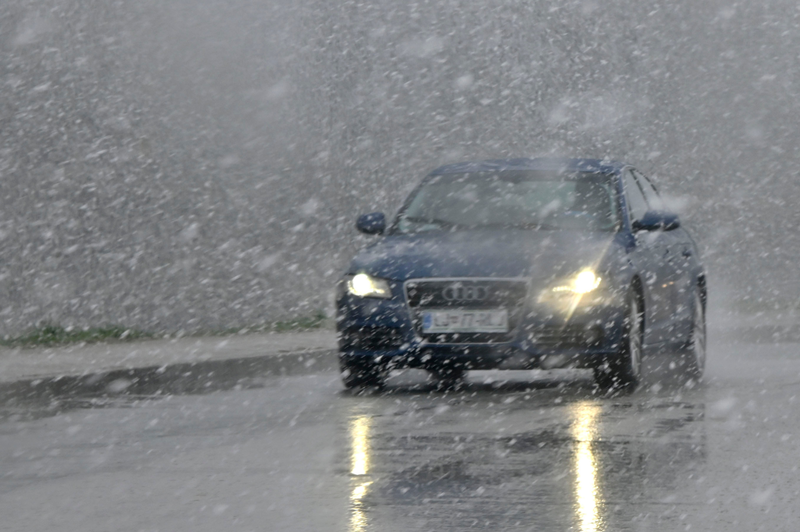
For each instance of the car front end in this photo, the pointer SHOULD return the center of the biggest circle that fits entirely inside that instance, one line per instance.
(479, 322)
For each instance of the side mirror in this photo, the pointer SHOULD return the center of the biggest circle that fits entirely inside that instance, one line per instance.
(373, 223)
(657, 221)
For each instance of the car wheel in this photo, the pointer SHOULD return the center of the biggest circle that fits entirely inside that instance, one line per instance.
(361, 374)
(624, 370)
(693, 355)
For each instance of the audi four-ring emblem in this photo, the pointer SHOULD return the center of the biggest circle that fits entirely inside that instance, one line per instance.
(459, 292)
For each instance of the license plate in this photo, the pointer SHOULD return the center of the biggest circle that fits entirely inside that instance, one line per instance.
(465, 321)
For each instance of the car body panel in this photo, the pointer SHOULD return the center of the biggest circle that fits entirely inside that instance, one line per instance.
(481, 253)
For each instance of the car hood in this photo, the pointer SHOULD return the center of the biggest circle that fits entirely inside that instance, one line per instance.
(485, 253)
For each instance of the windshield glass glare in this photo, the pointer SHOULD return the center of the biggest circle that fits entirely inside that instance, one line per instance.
(523, 200)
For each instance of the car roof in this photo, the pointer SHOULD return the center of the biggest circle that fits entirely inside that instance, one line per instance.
(602, 166)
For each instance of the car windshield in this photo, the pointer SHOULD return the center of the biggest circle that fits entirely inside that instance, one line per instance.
(524, 200)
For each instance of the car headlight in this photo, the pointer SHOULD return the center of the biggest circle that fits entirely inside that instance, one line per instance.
(363, 285)
(579, 288)
(584, 282)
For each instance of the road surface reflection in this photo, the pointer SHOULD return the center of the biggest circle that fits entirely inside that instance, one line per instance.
(359, 468)
(585, 417)
(512, 458)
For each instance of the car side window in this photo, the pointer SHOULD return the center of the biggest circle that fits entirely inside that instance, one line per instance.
(637, 204)
(650, 193)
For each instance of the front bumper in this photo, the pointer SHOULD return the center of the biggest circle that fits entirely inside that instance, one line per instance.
(384, 331)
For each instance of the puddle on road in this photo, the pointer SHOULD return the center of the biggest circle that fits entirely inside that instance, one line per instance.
(524, 455)
(523, 452)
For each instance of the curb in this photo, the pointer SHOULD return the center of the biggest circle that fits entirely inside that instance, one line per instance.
(185, 378)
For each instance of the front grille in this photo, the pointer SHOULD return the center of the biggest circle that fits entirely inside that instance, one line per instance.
(371, 338)
(470, 294)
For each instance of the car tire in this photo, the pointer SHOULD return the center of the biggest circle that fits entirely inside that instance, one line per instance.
(623, 371)
(357, 375)
(693, 354)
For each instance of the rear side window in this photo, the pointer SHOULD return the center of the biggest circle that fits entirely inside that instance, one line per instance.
(637, 204)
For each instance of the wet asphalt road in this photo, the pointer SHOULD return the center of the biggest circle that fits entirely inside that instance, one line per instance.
(519, 451)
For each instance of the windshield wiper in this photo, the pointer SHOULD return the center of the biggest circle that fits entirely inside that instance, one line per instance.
(526, 225)
(539, 225)
(446, 224)
(434, 221)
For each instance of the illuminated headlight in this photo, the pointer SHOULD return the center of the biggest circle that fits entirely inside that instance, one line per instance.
(573, 289)
(363, 285)
(582, 283)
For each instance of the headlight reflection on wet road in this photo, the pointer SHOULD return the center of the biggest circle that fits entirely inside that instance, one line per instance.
(359, 437)
(359, 468)
(587, 495)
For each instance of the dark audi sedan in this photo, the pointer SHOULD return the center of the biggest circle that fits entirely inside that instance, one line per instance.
(521, 264)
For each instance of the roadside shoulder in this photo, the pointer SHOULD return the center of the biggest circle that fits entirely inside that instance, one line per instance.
(80, 360)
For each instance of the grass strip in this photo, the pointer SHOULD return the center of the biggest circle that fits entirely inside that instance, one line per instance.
(51, 335)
